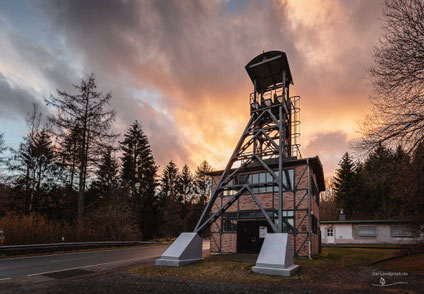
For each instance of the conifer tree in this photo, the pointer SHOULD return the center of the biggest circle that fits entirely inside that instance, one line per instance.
(138, 177)
(345, 185)
(379, 171)
(185, 186)
(186, 195)
(410, 190)
(34, 169)
(202, 186)
(32, 166)
(68, 153)
(203, 182)
(171, 201)
(107, 178)
(43, 158)
(138, 166)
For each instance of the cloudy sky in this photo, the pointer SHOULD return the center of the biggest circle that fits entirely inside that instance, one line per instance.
(178, 66)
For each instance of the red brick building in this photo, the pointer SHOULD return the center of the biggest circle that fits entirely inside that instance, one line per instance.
(237, 230)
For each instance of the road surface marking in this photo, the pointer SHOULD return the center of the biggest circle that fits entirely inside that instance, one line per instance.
(91, 265)
(3, 279)
(61, 260)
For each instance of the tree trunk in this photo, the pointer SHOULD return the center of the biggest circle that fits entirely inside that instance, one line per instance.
(83, 170)
(73, 165)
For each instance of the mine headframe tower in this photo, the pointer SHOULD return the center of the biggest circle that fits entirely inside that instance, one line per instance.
(270, 135)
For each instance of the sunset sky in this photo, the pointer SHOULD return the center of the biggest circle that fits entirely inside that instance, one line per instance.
(178, 67)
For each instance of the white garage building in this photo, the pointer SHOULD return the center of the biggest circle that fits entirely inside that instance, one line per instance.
(366, 232)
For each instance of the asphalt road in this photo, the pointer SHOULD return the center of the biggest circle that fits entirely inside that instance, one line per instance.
(37, 268)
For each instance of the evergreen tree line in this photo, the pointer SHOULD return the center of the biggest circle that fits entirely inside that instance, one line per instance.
(69, 168)
(388, 184)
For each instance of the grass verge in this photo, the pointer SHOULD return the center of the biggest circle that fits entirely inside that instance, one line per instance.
(333, 265)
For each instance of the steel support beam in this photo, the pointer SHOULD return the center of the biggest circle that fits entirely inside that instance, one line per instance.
(266, 126)
(268, 219)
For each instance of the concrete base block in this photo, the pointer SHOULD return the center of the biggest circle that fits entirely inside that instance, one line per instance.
(186, 249)
(286, 272)
(276, 256)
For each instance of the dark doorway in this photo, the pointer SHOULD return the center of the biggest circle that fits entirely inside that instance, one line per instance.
(248, 240)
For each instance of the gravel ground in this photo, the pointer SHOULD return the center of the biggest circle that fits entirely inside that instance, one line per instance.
(125, 282)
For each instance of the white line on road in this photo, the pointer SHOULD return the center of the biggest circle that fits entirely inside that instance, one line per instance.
(62, 260)
(3, 279)
(91, 265)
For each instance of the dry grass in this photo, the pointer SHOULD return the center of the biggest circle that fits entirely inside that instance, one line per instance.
(214, 268)
(332, 265)
(165, 241)
(412, 264)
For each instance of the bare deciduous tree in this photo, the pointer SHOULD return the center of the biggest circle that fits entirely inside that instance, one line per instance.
(84, 113)
(397, 78)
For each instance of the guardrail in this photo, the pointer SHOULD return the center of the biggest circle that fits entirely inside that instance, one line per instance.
(64, 245)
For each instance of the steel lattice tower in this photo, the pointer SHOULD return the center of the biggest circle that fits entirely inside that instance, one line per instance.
(270, 136)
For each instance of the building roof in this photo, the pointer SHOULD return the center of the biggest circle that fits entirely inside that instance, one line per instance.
(371, 221)
(314, 162)
(267, 69)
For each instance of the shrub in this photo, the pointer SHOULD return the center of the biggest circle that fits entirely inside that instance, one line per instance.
(108, 223)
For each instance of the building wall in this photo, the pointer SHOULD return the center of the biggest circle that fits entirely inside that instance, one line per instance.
(227, 242)
(348, 234)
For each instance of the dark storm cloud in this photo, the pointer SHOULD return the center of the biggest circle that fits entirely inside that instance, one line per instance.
(189, 45)
(16, 102)
(194, 52)
(51, 65)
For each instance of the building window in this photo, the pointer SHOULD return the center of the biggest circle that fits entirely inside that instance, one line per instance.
(260, 178)
(367, 231)
(330, 232)
(288, 178)
(229, 215)
(253, 214)
(229, 225)
(288, 216)
(400, 231)
(230, 192)
(229, 219)
(288, 220)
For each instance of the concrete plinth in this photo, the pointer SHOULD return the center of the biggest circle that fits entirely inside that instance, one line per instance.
(276, 256)
(186, 249)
